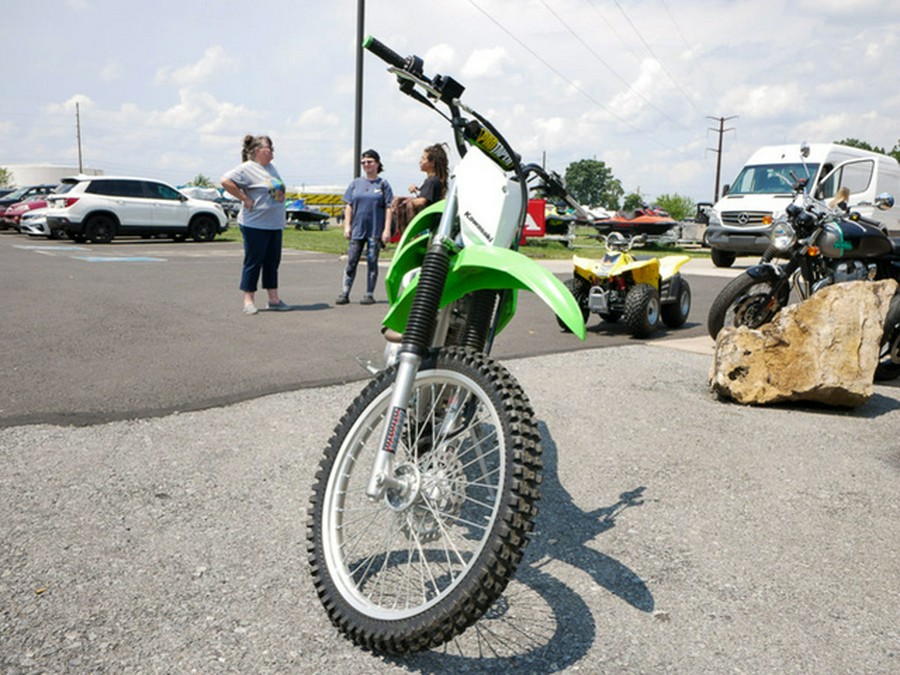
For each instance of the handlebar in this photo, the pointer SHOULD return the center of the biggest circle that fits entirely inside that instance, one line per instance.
(383, 52)
(478, 131)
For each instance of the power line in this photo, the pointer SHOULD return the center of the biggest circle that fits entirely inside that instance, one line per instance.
(609, 67)
(566, 79)
(658, 60)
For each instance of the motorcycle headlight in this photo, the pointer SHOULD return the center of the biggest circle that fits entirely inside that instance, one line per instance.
(783, 235)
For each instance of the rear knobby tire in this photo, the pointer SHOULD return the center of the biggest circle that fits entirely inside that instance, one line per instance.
(415, 568)
(579, 290)
(675, 314)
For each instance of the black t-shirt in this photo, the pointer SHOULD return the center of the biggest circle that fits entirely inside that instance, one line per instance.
(431, 190)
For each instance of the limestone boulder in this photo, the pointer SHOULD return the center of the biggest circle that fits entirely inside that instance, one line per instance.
(824, 349)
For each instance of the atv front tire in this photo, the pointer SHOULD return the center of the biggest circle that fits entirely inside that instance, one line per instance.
(642, 310)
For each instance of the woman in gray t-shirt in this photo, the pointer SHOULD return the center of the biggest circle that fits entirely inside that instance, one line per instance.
(262, 219)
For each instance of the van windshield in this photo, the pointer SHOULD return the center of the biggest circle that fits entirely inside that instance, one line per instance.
(769, 178)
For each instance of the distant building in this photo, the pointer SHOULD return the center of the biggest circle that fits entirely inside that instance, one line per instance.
(39, 174)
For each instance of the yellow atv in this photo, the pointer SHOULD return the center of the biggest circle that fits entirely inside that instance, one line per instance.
(639, 291)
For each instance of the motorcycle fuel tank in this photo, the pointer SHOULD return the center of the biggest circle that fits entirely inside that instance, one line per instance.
(849, 239)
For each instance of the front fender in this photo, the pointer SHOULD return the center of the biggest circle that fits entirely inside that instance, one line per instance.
(485, 267)
(766, 272)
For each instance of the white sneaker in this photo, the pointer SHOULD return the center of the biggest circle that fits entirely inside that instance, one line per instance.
(250, 309)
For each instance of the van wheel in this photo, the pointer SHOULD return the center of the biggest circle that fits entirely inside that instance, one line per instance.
(100, 229)
(203, 228)
(722, 258)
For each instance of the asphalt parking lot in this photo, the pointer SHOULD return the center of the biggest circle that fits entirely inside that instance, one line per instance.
(139, 328)
(677, 533)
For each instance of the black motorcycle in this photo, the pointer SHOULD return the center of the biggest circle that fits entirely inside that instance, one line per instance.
(823, 244)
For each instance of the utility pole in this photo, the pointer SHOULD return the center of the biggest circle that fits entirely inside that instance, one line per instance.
(718, 151)
(357, 127)
(78, 135)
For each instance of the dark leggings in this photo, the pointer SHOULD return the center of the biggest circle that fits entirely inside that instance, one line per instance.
(354, 253)
(262, 250)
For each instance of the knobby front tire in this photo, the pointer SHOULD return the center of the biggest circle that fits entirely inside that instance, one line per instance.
(415, 568)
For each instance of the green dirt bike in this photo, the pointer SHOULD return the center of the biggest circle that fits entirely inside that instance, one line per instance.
(426, 494)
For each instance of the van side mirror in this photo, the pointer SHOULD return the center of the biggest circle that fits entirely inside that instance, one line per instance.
(726, 189)
(884, 201)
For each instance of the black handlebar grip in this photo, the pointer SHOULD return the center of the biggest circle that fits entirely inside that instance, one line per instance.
(383, 52)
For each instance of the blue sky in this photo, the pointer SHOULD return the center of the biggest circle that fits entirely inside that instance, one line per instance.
(167, 89)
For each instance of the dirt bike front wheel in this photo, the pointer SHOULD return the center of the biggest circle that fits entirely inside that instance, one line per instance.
(414, 568)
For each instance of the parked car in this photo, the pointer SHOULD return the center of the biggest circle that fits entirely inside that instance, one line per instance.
(19, 195)
(13, 213)
(34, 223)
(229, 204)
(99, 208)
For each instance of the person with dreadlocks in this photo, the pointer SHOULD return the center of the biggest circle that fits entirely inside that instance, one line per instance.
(434, 163)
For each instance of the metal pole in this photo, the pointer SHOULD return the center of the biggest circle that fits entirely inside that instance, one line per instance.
(78, 135)
(357, 127)
(721, 130)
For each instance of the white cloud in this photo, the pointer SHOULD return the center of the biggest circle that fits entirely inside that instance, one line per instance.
(112, 71)
(214, 63)
(490, 63)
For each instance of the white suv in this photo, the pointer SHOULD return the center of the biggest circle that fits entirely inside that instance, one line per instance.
(98, 208)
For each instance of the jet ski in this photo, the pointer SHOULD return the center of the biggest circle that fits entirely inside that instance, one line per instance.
(303, 216)
(650, 220)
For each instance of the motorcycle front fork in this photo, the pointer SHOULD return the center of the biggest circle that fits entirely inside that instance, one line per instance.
(422, 326)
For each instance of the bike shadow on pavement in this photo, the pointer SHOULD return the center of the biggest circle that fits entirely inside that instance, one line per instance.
(541, 623)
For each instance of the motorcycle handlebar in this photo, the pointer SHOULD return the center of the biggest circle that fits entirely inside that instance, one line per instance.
(383, 52)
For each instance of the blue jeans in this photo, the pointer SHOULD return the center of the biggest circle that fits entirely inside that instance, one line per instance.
(262, 251)
(354, 253)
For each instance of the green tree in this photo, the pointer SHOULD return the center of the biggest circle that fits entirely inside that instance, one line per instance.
(895, 152)
(633, 201)
(678, 206)
(591, 182)
(5, 177)
(862, 145)
(856, 143)
(201, 181)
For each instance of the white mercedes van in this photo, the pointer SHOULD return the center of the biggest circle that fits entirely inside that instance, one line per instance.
(741, 220)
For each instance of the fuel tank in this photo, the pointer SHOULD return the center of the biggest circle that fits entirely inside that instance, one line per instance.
(850, 239)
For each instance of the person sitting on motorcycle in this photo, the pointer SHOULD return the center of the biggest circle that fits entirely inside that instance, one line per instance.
(841, 200)
(435, 165)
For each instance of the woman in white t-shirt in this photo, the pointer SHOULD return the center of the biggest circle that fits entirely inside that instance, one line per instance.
(262, 219)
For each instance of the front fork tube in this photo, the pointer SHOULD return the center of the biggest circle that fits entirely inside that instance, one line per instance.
(382, 477)
(417, 338)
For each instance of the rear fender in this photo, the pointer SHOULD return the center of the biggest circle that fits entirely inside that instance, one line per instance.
(643, 271)
(485, 267)
(670, 264)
